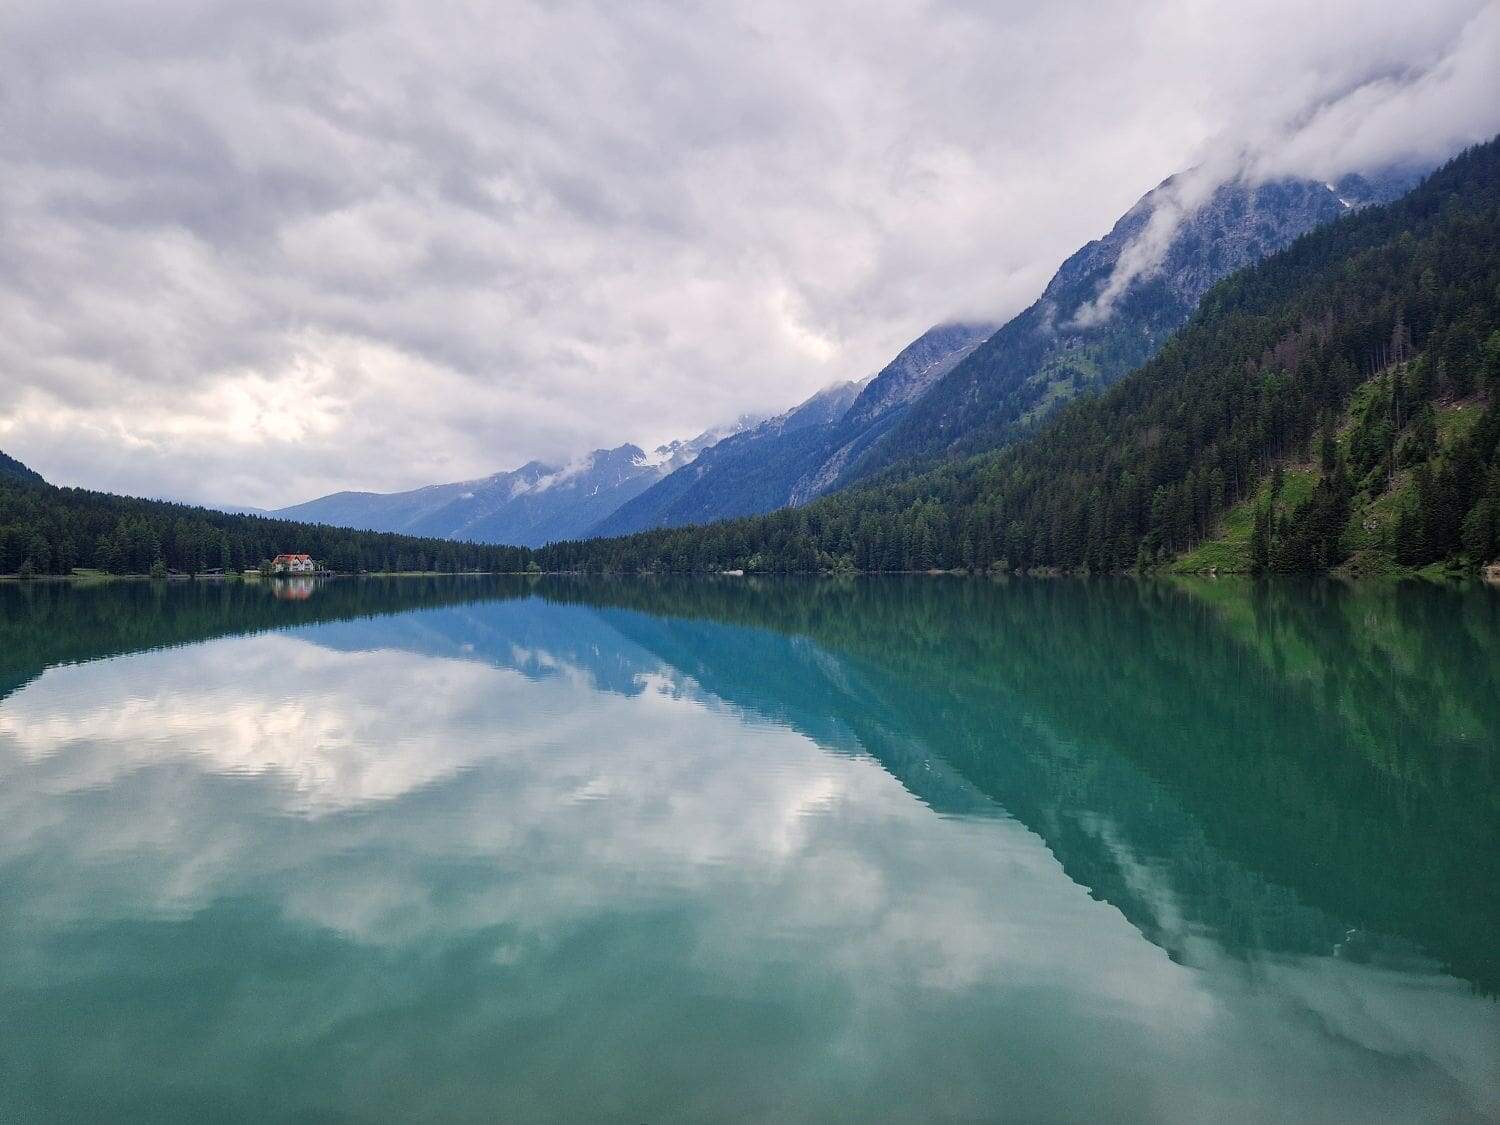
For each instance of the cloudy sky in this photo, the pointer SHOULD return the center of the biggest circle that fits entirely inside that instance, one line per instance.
(255, 252)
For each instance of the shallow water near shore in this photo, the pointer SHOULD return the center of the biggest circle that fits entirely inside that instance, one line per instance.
(889, 849)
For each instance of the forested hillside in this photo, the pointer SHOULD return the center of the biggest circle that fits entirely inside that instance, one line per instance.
(1340, 355)
(12, 469)
(47, 530)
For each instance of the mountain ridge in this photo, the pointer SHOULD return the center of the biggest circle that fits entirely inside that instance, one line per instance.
(771, 466)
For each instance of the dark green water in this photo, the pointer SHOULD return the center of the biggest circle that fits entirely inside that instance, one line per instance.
(872, 850)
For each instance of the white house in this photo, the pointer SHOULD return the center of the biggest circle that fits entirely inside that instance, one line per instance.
(293, 564)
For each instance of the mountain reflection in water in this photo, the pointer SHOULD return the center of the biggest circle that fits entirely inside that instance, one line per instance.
(478, 848)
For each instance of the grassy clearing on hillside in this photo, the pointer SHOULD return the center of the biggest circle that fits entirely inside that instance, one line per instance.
(1373, 517)
(1455, 421)
(1229, 551)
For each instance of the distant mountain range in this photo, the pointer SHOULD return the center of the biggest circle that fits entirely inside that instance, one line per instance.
(239, 509)
(956, 389)
(535, 504)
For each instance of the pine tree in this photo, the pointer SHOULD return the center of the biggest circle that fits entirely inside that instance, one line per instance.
(1260, 539)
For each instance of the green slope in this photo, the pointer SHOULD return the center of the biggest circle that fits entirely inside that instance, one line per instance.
(1370, 542)
(1229, 550)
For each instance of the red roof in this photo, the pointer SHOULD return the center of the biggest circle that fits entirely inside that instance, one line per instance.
(292, 558)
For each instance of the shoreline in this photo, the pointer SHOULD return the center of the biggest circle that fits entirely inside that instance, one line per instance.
(101, 578)
(1488, 574)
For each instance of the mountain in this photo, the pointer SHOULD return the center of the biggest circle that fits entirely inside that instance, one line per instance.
(965, 387)
(11, 469)
(796, 456)
(748, 472)
(1111, 305)
(902, 382)
(1335, 405)
(529, 506)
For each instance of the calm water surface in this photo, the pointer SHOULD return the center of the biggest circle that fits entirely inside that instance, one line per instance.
(895, 850)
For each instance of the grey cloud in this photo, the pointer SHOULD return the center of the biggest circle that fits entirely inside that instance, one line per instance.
(382, 245)
(1377, 117)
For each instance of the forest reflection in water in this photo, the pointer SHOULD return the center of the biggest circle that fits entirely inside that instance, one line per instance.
(892, 848)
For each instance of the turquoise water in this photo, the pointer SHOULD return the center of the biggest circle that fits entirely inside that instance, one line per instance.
(865, 850)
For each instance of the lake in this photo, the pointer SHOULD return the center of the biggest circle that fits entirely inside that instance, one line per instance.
(875, 849)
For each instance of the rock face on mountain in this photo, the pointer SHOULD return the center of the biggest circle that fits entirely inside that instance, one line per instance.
(12, 469)
(1110, 306)
(797, 455)
(528, 507)
(888, 397)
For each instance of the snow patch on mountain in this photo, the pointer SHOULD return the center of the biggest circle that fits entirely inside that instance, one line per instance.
(529, 506)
